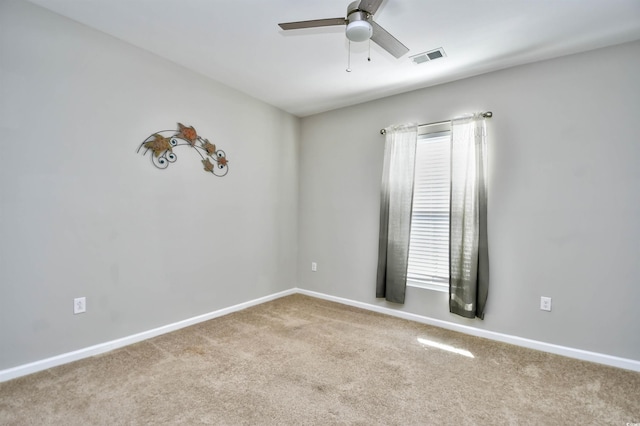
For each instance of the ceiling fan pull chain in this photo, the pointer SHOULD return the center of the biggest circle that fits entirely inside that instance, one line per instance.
(369, 56)
(349, 58)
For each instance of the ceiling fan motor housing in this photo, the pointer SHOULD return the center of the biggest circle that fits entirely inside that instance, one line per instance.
(358, 28)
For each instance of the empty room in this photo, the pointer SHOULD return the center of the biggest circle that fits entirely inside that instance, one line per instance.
(390, 212)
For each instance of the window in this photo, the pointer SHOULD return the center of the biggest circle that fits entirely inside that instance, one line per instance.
(429, 242)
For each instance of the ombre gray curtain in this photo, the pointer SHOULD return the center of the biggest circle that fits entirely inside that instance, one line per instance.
(396, 198)
(468, 250)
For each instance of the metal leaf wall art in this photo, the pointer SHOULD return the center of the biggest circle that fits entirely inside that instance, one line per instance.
(162, 143)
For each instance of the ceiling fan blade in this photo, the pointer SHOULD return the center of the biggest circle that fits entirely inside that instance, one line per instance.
(370, 6)
(388, 42)
(313, 23)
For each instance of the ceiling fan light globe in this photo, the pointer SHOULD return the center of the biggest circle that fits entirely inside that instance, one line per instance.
(359, 31)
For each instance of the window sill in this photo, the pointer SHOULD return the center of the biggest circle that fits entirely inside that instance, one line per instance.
(428, 286)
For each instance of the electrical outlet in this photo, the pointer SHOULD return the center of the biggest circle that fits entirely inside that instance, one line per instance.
(79, 305)
(545, 303)
(314, 266)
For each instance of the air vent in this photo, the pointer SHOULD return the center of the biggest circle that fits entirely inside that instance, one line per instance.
(431, 55)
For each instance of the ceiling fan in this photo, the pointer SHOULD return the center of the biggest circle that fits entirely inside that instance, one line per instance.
(360, 26)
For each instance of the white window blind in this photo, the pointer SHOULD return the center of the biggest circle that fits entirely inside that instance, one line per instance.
(429, 242)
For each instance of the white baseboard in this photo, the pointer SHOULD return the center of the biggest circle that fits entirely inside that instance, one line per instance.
(627, 364)
(34, 367)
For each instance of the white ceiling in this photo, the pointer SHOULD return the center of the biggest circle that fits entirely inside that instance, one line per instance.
(238, 42)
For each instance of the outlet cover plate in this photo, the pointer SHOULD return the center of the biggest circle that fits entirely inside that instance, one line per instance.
(545, 303)
(79, 305)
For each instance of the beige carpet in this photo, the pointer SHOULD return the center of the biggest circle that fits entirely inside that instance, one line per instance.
(304, 361)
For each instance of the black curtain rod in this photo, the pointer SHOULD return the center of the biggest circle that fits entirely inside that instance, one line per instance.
(487, 114)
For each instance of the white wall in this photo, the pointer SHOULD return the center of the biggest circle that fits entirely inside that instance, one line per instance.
(82, 214)
(564, 198)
